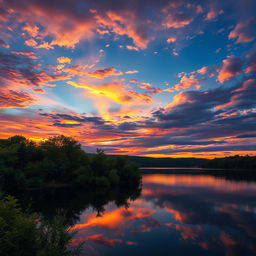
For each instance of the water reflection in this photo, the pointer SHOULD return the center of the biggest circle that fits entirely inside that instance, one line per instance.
(72, 202)
(176, 215)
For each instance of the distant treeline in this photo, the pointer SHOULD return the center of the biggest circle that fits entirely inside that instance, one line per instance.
(167, 162)
(60, 161)
(232, 162)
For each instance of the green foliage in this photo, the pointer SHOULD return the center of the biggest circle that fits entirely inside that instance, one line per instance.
(60, 161)
(114, 177)
(24, 234)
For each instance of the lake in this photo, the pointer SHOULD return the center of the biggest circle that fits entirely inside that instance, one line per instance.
(176, 214)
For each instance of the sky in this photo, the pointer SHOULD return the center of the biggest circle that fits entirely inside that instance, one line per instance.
(166, 78)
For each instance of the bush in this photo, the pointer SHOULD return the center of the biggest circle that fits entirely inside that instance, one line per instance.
(24, 234)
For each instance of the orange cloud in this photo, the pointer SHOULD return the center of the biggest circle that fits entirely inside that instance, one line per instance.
(132, 48)
(187, 82)
(64, 60)
(115, 219)
(32, 30)
(115, 91)
(171, 40)
(202, 71)
(45, 45)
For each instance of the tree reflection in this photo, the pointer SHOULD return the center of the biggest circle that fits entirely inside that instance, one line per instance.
(72, 202)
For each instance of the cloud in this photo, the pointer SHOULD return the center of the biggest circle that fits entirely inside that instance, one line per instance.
(213, 13)
(99, 74)
(132, 72)
(244, 32)
(177, 21)
(103, 73)
(115, 219)
(178, 14)
(126, 22)
(60, 119)
(77, 21)
(202, 71)
(31, 42)
(132, 48)
(15, 99)
(4, 44)
(187, 82)
(231, 67)
(251, 61)
(101, 239)
(196, 105)
(30, 54)
(147, 86)
(171, 40)
(32, 30)
(19, 69)
(116, 92)
(242, 97)
(64, 60)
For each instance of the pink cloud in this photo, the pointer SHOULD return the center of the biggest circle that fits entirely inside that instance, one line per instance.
(31, 42)
(231, 67)
(251, 61)
(101, 239)
(244, 32)
(30, 54)
(132, 72)
(213, 13)
(15, 99)
(4, 44)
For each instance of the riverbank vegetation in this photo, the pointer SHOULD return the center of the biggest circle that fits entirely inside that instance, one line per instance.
(54, 181)
(60, 161)
(26, 234)
(232, 162)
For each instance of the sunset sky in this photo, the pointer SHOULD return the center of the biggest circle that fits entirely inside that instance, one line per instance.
(173, 78)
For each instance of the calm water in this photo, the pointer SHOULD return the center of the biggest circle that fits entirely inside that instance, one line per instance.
(176, 215)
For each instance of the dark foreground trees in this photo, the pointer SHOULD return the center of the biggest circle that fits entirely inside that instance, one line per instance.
(25, 234)
(35, 172)
(60, 161)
